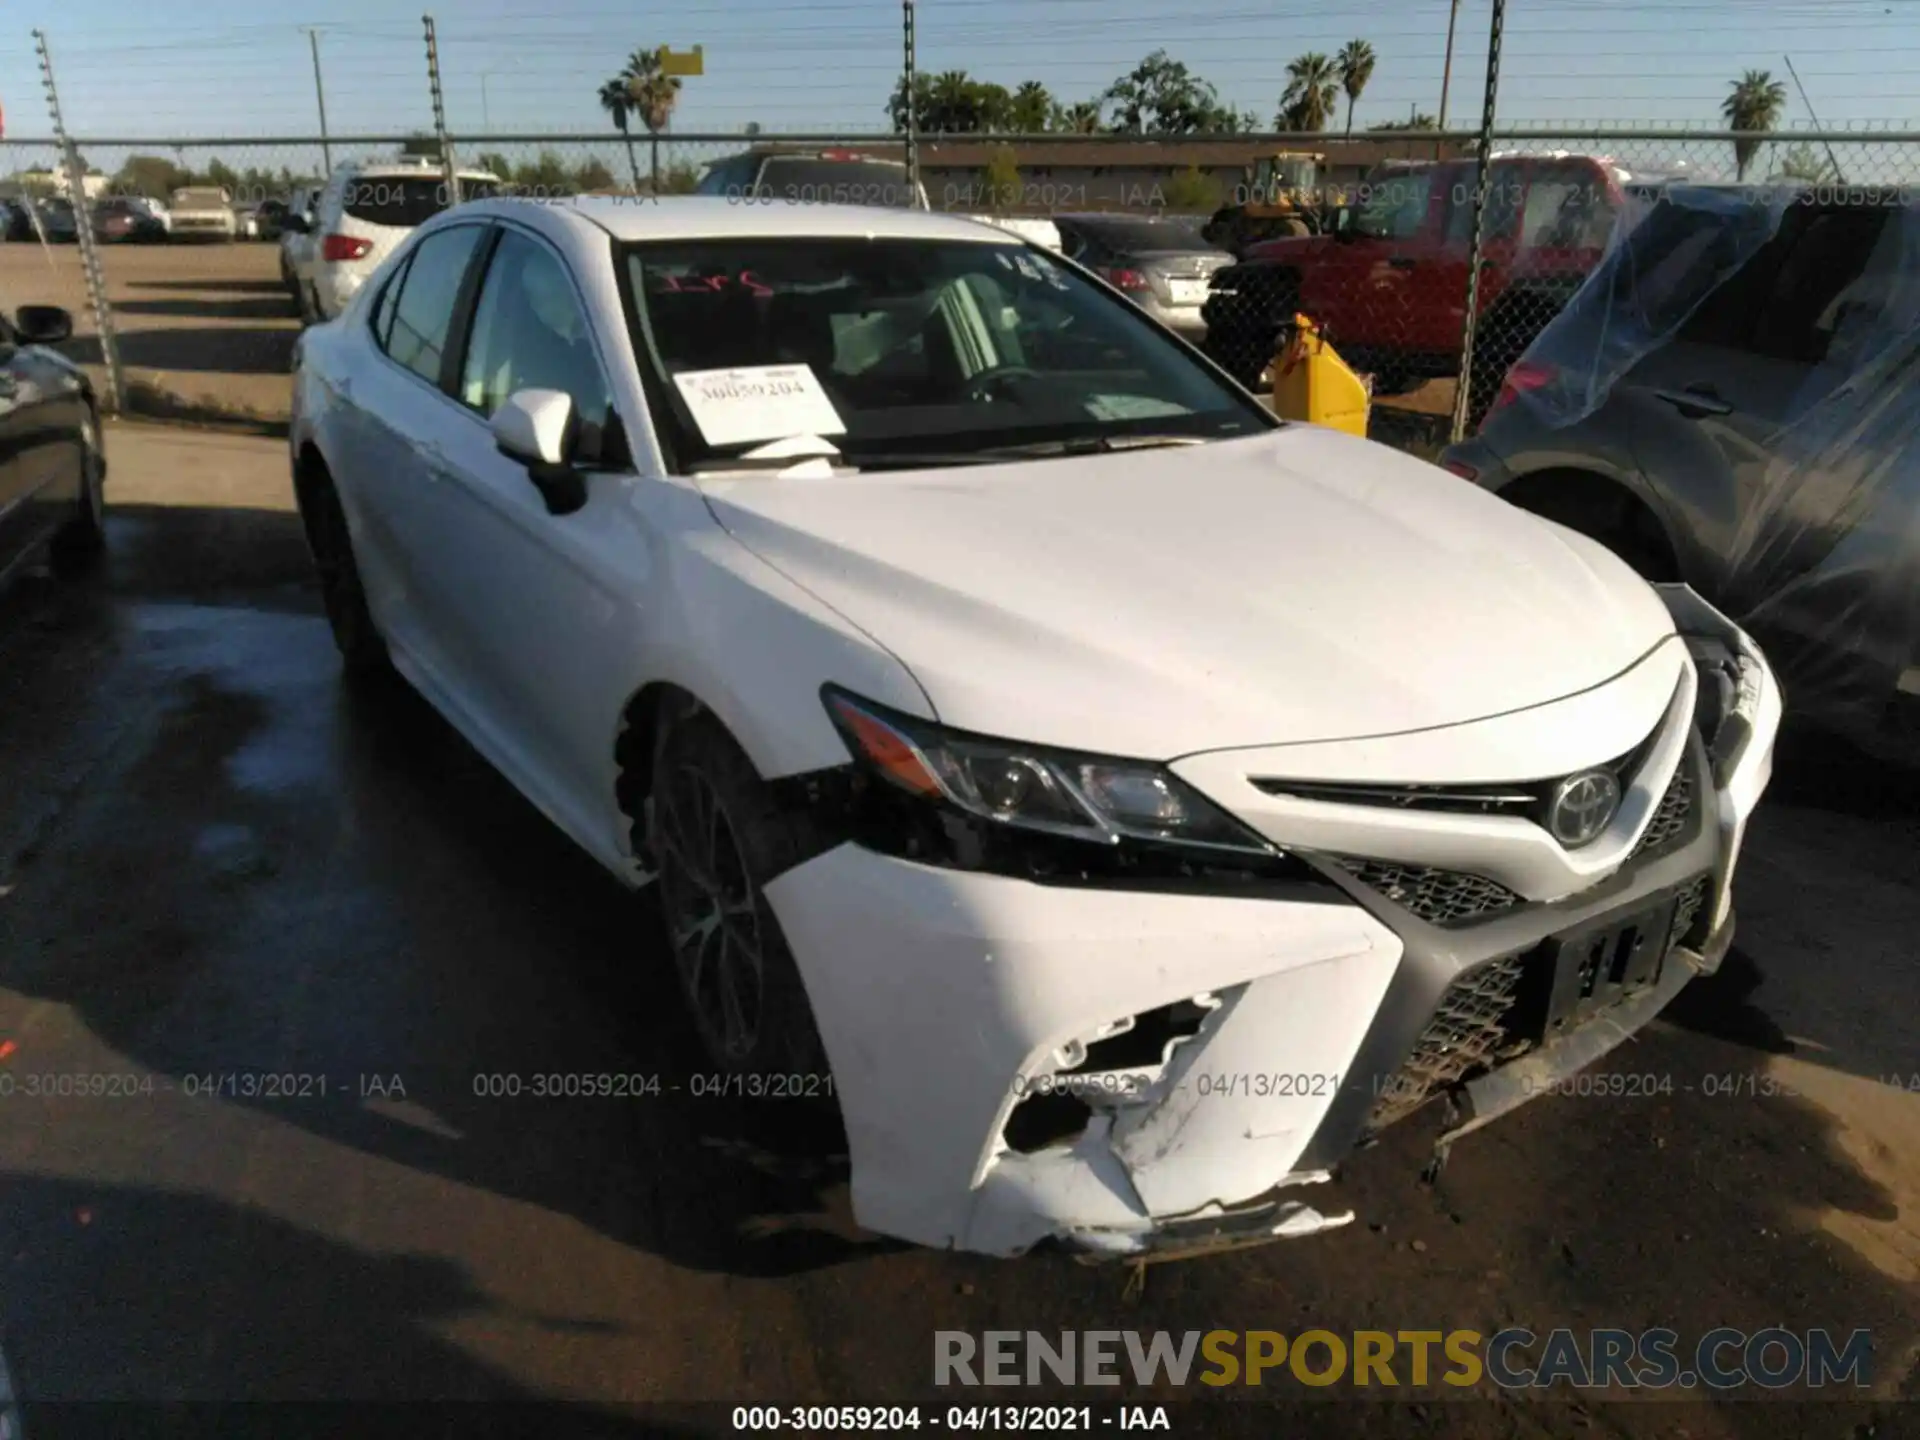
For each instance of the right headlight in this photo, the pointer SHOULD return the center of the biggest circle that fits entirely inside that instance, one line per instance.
(1013, 786)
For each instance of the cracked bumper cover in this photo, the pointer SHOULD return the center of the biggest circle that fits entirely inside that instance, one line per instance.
(940, 992)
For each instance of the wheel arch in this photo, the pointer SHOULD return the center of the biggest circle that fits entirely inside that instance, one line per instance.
(1604, 508)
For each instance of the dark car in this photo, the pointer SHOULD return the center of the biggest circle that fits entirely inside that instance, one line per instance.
(52, 467)
(1160, 262)
(1730, 401)
(117, 221)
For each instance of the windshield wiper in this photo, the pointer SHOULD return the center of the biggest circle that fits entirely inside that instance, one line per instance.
(787, 453)
(1037, 450)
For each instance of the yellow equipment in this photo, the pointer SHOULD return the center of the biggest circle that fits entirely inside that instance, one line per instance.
(1312, 383)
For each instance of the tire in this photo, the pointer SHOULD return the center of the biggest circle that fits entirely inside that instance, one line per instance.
(363, 653)
(718, 836)
(79, 543)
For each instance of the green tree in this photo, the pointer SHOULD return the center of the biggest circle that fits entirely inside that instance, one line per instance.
(1080, 118)
(590, 176)
(1003, 179)
(1192, 190)
(1803, 162)
(1313, 86)
(1160, 96)
(1754, 103)
(494, 163)
(153, 176)
(753, 128)
(548, 174)
(619, 107)
(652, 94)
(1031, 109)
(951, 103)
(1355, 63)
(680, 179)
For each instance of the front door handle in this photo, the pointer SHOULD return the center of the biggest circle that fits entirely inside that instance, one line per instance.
(1402, 262)
(1696, 402)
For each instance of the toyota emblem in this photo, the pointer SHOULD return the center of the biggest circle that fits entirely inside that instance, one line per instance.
(1582, 807)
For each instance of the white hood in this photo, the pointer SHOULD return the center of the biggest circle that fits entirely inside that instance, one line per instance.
(1296, 586)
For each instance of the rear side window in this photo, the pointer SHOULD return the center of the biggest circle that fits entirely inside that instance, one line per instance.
(1794, 320)
(423, 314)
(389, 298)
(403, 201)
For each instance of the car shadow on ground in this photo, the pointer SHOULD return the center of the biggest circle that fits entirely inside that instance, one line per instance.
(198, 1300)
(213, 286)
(523, 958)
(215, 349)
(252, 306)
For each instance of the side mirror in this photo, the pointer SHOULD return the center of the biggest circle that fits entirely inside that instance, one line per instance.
(42, 324)
(540, 429)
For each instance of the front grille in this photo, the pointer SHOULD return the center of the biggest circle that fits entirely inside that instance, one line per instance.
(1468, 1034)
(1670, 816)
(1440, 897)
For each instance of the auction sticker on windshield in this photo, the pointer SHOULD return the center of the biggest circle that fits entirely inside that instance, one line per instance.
(761, 402)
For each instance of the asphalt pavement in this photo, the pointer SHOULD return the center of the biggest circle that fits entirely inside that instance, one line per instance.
(285, 935)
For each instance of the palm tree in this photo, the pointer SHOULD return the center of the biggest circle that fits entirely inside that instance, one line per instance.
(1754, 104)
(1312, 87)
(652, 93)
(1356, 62)
(615, 100)
(1080, 118)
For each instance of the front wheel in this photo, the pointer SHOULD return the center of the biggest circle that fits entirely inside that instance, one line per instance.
(80, 542)
(362, 650)
(718, 836)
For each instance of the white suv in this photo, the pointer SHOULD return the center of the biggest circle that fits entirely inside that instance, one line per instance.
(366, 209)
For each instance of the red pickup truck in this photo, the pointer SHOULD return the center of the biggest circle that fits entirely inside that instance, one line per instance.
(1388, 286)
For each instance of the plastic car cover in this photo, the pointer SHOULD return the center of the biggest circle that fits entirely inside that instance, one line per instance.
(1671, 248)
(1823, 557)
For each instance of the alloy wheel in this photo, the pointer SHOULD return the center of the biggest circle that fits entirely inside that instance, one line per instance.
(713, 914)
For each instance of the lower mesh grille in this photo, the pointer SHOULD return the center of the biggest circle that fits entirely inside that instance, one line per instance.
(1468, 1034)
(1670, 816)
(1687, 909)
(1440, 897)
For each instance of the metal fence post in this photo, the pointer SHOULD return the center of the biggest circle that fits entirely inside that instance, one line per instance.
(1463, 392)
(448, 169)
(912, 119)
(83, 234)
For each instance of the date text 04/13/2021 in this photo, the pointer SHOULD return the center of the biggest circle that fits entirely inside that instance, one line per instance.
(900, 1419)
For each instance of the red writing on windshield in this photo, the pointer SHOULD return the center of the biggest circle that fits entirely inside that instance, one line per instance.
(716, 284)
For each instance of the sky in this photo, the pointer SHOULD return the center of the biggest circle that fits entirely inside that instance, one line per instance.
(243, 68)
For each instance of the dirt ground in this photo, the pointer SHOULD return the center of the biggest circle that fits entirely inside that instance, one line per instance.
(213, 859)
(203, 328)
(206, 331)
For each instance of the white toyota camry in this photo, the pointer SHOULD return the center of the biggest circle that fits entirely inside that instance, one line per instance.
(1132, 803)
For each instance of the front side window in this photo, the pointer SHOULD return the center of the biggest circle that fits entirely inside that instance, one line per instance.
(530, 333)
(912, 346)
(423, 314)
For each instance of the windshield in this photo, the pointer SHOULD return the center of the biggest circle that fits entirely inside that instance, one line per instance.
(897, 347)
(199, 200)
(404, 201)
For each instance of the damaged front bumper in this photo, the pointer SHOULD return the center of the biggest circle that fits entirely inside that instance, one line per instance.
(1142, 1073)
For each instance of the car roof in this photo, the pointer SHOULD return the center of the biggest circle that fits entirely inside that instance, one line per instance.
(400, 169)
(715, 217)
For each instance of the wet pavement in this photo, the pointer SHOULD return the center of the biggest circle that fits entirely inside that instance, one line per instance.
(283, 934)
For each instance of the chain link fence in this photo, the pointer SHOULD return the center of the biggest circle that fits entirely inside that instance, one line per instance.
(1371, 237)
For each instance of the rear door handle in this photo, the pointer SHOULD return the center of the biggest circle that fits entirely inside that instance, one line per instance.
(1695, 402)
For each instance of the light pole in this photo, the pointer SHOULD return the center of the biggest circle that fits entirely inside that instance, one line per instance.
(1446, 74)
(320, 95)
(486, 113)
